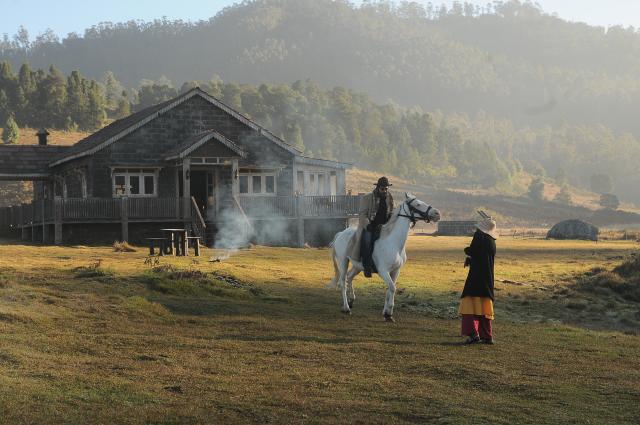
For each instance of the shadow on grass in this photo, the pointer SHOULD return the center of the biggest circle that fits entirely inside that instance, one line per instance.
(286, 338)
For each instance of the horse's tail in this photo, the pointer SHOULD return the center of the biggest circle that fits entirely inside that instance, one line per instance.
(334, 284)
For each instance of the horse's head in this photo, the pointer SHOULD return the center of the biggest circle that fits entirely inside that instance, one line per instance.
(418, 210)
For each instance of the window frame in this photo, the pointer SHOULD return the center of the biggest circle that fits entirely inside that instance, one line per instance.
(250, 175)
(141, 173)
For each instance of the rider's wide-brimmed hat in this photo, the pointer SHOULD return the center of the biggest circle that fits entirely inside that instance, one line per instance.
(383, 182)
(488, 225)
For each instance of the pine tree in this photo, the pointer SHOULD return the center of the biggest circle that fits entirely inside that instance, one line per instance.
(4, 106)
(10, 132)
(52, 94)
(124, 106)
(27, 86)
(112, 91)
(77, 100)
(95, 112)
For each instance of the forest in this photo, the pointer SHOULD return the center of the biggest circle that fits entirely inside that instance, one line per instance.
(451, 96)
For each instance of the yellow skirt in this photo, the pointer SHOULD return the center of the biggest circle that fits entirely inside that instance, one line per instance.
(479, 306)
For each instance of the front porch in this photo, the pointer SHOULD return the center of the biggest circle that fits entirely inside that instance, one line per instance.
(46, 220)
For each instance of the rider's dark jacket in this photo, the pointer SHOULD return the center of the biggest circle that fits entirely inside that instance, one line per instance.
(368, 209)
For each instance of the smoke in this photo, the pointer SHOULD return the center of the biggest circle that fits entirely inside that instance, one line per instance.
(234, 233)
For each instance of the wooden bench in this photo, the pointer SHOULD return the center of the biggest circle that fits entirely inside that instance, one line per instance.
(161, 243)
(195, 241)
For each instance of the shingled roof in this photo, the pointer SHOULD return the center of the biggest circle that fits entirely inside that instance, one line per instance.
(28, 162)
(120, 128)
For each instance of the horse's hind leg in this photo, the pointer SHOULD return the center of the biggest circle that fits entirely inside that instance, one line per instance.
(346, 306)
(353, 272)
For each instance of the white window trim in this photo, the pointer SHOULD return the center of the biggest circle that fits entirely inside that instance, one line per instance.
(126, 174)
(262, 184)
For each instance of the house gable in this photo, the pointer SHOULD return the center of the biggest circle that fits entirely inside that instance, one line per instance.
(220, 117)
(207, 144)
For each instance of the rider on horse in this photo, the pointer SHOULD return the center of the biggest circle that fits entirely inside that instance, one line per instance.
(375, 210)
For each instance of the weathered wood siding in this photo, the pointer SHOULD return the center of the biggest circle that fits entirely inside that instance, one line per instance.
(148, 145)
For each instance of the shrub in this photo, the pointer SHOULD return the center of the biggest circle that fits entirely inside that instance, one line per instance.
(122, 246)
(96, 271)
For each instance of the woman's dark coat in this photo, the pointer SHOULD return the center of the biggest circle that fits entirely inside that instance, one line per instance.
(480, 278)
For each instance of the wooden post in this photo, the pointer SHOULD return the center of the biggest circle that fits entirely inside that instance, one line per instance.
(235, 178)
(184, 243)
(33, 221)
(186, 187)
(23, 228)
(57, 220)
(294, 177)
(177, 181)
(300, 220)
(45, 233)
(124, 217)
(216, 189)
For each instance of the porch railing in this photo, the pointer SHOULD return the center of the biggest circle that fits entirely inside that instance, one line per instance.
(89, 209)
(268, 206)
(72, 210)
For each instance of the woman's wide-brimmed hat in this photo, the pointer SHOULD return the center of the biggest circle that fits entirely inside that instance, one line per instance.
(488, 225)
(383, 182)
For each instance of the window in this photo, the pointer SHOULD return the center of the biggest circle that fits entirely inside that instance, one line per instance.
(134, 182)
(119, 185)
(134, 185)
(149, 185)
(317, 184)
(257, 183)
(300, 183)
(270, 184)
(333, 183)
(244, 184)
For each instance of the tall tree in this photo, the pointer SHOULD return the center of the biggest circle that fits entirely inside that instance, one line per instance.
(77, 100)
(95, 111)
(10, 132)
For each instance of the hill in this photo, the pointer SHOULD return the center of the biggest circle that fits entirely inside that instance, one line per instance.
(516, 210)
(510, 59)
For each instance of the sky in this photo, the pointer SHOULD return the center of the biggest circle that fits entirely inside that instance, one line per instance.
(65, 16)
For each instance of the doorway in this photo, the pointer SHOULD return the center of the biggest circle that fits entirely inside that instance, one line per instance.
(203, 191)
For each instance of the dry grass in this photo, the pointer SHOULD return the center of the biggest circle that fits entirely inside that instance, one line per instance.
(120, 246)
(258, 339)
(56, 137)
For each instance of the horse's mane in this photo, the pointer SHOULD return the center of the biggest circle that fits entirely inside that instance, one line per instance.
(386, 228)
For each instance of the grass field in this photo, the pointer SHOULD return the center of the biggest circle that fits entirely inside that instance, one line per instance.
(89, 335)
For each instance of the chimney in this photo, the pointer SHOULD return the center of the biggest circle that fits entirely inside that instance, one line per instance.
(42, 136)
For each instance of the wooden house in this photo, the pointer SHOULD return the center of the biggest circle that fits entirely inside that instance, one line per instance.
(191, 161)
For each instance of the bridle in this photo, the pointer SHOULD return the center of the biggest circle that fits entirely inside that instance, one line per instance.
(421, 215)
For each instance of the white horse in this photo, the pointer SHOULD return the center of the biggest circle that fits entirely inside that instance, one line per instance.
(388, 254)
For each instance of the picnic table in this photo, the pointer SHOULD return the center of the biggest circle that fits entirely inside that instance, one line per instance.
(175, 242)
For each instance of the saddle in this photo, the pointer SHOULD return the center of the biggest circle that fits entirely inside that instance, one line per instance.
(367, 243)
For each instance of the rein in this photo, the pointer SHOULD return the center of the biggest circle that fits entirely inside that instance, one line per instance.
(422, 215)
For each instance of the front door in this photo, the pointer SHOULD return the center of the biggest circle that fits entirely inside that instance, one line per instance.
(199, 188)
(203, 190)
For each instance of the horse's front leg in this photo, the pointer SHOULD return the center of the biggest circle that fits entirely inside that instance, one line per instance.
(353, 272)
(387, 311)
(394, 277)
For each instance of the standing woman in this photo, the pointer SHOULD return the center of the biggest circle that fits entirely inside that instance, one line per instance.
(476, 304)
